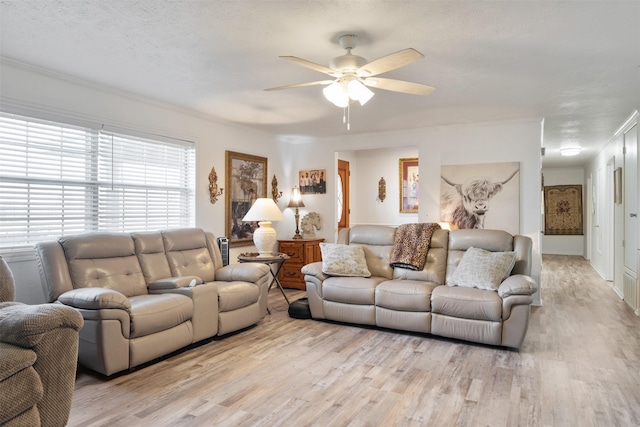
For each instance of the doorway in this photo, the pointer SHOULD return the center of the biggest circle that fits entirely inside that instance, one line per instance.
(342, 190)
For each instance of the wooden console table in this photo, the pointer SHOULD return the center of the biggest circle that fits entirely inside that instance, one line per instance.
(300, 252)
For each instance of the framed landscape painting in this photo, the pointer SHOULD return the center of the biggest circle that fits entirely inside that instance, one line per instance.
(246, 181)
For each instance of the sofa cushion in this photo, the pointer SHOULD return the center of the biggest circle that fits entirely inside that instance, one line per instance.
(466, 303)
(405, 295)
(188, 253)
(192, 262)
(482, 269)
(104, 260)
(149, 247)
(158, 312)
(235, 295)
(95, 299)
(122, 274)
(343, 260)
(435, 268)
(351, 290)
(377, 259)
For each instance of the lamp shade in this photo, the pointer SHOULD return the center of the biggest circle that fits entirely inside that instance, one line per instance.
(264, 211)
(296, 199)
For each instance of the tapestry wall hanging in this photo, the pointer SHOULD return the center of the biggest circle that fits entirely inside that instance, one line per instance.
(480, 196)
(563, 210)
(246, 181)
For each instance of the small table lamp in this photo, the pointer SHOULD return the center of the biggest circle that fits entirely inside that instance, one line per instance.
(296, 202)
(264, 210)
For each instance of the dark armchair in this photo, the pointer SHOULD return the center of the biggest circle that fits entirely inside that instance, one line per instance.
(38, 358)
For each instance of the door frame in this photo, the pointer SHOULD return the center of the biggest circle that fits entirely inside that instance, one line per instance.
(344, 173)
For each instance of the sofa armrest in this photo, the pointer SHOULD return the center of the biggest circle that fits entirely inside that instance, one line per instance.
(175, 283)
(25, 325)
(314, 269)
(518, 284)
(251, 272)
(95, 299)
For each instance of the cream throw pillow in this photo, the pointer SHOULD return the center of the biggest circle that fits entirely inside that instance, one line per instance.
(343, 260)
(483, 269)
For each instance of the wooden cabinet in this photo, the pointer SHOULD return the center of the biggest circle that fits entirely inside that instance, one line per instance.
(300, 252)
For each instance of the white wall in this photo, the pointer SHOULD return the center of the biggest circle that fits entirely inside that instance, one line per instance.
(370, 166)
(566, 245)
(606, 240)
(480, 143)
(608, 233)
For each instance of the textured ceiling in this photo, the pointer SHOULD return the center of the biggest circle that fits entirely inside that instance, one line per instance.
(573, 63)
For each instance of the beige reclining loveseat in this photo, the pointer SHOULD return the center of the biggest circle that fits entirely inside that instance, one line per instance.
(426, 301)
(144, 295)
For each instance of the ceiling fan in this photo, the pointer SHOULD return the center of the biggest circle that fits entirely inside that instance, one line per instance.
(353, 75)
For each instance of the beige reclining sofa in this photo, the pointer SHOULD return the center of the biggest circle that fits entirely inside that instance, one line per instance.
(144, 295)
(427, 300)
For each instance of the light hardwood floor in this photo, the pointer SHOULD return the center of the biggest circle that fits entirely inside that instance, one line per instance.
(579, 366)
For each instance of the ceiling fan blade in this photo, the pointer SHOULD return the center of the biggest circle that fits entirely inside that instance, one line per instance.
(319, 82)
(312, 65)
(390, 62)
(398, 86)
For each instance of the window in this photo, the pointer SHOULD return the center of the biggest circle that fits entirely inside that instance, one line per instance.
(58, 179)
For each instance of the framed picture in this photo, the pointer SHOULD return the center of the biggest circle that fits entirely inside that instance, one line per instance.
(482, 195)
(313, 181)
(409, 185)
(246, 181)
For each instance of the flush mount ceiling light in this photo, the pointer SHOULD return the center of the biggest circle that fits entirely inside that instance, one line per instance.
(352, 74)
(570, 151)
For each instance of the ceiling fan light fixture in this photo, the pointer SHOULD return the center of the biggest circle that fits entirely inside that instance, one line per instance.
(359, 92)
(336, 94)
(353, 74)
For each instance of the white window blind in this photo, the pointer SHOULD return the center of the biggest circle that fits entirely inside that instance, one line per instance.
(58, 179)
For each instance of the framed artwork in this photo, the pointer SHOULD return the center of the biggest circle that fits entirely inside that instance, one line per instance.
(246, 181)
(409, 185)
(313, 181)
(563, 210)
(483, 196)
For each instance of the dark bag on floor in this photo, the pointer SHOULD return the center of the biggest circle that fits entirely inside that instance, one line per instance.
(300, 309)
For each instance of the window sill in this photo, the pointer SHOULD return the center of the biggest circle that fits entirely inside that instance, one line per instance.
(20, 254)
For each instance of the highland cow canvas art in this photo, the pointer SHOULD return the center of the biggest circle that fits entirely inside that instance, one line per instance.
(483, 196)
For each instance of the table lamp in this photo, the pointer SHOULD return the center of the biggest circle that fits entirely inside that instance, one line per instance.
(296, 202)
(264, 210)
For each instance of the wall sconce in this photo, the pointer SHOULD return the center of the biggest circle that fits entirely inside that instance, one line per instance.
(275, 194)
(214, 192)
(296, 202)
(382, 189)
